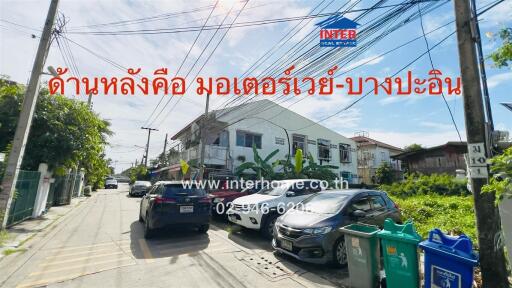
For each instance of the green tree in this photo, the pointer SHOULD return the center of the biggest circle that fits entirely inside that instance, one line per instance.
(501, 182)
(65, 133)
(260, 166)
(139, 172)
(413, 147)
(503, 55)
(384, 174)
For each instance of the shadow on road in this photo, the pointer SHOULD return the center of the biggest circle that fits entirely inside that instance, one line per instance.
(252, 239)
(166, 243)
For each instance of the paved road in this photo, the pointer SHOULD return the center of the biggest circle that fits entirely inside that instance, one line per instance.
(100, 244)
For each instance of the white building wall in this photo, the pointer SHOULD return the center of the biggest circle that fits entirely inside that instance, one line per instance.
(294, 123)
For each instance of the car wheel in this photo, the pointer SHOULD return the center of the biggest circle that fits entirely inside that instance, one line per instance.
(339, 253)
(268, 228)
(203, 228)
(140, 215)
(148, 232)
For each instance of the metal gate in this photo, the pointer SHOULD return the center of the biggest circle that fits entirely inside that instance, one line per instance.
(61, 191)
(24, 197)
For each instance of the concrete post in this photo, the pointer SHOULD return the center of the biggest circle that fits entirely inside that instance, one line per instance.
(42, 190)
(506, 224)
(81, 185)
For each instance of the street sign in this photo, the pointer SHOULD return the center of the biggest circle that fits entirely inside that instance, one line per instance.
(477, 160)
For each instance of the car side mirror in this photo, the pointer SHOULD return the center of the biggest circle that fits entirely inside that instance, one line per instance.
(358, 214)
(290, 194)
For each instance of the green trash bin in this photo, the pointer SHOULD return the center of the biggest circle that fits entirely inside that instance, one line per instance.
(400, 249)
(363, 255)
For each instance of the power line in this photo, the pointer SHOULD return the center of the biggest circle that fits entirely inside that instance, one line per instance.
(206, 61)
(435, 75)
(184, 60)
(238, 25)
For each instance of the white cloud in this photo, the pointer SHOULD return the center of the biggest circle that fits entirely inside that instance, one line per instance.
(370, 60)
(436, 125)
(499, 79)
(402, 139)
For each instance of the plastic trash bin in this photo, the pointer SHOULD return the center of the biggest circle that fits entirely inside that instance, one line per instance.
(449, 261)
(400, 249)
(362, 254)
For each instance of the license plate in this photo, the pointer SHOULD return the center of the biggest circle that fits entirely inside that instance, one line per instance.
(186, 209)
(285, 244)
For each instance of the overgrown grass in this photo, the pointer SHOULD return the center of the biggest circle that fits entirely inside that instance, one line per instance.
(8, 252)
(451, 214)
(4, 236)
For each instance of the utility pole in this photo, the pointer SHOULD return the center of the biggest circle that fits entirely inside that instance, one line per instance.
(165, 148)
(492, 258)
(481, 63)
(25, 119)
(203, 136)
(147, 145)
(89, 101)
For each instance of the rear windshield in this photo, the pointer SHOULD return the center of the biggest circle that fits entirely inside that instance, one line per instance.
(142, 183)
(179, 190)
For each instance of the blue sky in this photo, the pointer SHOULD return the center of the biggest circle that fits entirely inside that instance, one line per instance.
(395, 120)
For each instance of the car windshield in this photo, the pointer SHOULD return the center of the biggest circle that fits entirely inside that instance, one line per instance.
(323, 203)
(276, 191)
(142, 183)
(173, 190)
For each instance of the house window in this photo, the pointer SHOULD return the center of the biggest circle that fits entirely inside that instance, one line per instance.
(324, 149)
(344, 153)
(299, 142)
(247, 139)
(221, 140)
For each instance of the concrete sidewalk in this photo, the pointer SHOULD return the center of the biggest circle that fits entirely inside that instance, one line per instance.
(20, 233)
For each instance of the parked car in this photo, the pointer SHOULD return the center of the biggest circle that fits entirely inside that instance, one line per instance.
(222, 199)
(111, 183)
(309, 232)
(260, 210)
(170, 203)
(139, 188)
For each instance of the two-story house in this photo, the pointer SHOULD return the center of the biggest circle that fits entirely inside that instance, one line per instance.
(371, 154)
(231, 133)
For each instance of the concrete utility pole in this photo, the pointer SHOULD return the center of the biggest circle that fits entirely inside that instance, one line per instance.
(147, 145)
(492, 257)
(165, 148)
(203, 136)
(481, 63)
(25, 119)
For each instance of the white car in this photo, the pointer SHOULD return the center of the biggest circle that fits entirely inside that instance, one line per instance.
(111, 183)
(259, 211)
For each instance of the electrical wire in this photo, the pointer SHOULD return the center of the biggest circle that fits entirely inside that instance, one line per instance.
(435, 75)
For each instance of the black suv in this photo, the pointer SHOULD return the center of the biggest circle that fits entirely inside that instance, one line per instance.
(173, 203)
(310, 231)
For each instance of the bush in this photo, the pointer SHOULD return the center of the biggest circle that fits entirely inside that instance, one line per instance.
(417, 184)
(451, 214)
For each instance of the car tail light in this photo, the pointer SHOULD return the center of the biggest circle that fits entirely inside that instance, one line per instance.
(205, 200)
(159, 200)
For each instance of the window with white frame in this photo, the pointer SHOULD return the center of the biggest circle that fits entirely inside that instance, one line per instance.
(247, 139)
(324, 149)
(299, 142)
(344, 153)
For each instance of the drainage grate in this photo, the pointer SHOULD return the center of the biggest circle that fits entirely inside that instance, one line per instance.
(268, 266)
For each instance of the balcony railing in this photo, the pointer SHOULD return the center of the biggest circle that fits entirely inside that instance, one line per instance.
(214, 155)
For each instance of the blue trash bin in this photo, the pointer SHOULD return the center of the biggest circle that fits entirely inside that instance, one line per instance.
(449, 261)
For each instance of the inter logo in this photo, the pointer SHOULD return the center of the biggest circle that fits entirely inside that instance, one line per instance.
(338, 31)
